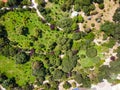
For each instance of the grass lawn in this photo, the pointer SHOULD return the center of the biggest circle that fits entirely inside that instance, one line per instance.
(22, 73)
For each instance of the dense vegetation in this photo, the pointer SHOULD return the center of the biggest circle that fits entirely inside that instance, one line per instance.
(32, 51)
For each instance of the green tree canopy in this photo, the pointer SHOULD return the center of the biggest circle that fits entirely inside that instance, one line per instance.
(57, 74)
(69, 62)
(91, 52)
(108, 28)
(116, 16)
(66, 85)
(38, 69)
(21, 58)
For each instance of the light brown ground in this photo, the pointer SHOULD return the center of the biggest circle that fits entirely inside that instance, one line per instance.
(107, 12)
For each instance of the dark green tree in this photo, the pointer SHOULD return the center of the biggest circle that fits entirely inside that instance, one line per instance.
(69, 62)
(57, 74)
(80, 19)
(76, 36)
(66, 85)
(11, 2)
(116, 16)
(91, 52)
(38, 69)
(65, 23)
(108, 28)
(21, 58)
(101, 6)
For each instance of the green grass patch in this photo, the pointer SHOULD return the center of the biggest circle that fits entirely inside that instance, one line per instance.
(22, 73)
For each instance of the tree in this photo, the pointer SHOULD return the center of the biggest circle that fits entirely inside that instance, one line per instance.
(111, 29)
(86, 10)
(3, 32)
(117, 32)
(116, 16)
(74, 26)
(38, 69)
(108, 28)
(65, 23)
(80, 19)
(118, 52)
(84, 79)
(66, 85)
(77, 7)
(3, 36)
(84, 2)
(1, 4)
(57, 74)
(8, 51)
(76, 36)
(92, 7)
(40, 80)
(54, 84)
(98, 1)
(53, 45)
(25, 2)
(21, 58)
(46, 86)
(101, 6)
(11, 2)
(2, 42)
(69, 62)
(91, 52)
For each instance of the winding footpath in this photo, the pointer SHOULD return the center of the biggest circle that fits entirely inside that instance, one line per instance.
(35, 6)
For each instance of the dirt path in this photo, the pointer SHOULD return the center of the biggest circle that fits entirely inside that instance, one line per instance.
(35, 6)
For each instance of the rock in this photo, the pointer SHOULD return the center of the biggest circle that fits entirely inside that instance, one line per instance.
(89, 18)
(88, 30)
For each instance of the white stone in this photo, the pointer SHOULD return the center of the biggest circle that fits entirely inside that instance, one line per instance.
(74, 13)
